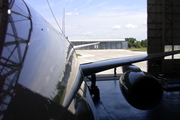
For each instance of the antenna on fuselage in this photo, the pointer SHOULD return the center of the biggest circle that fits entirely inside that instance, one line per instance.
(55, 18)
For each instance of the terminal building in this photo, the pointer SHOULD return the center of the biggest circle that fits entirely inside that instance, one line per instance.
(104, 43)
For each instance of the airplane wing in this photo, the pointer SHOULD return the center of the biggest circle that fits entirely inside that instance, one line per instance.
(84, 45)
(95, 67)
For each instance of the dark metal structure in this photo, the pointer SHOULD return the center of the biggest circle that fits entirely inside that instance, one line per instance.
(163, 35)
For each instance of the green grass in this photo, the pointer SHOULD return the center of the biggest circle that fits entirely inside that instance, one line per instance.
(137, 49)
(78, 55)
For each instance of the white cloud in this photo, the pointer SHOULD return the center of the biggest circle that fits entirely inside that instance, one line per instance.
(71, 13)
(83, 5)
(88, 34)
(116, 27)
(114, 35)
(131, 26)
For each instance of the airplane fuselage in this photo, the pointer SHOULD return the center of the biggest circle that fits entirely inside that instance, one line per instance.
(40, 73)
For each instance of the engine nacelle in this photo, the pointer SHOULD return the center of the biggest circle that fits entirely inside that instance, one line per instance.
(140, 89)
(130, 68)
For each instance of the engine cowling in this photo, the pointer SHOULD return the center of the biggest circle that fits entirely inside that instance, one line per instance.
(140, 89)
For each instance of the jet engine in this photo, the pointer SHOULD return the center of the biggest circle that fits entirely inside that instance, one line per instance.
(140, 89)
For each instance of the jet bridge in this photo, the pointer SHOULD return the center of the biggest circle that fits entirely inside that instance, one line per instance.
(12, 50)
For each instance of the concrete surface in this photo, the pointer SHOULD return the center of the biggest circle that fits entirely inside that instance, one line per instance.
(113, 106)
(98, 55)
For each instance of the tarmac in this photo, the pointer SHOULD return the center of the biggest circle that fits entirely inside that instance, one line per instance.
(99, 55)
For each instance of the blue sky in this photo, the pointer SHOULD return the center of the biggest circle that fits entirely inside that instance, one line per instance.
(97, 18)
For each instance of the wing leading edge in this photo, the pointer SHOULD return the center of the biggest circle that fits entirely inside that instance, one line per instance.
(95, 67)
(84, 45)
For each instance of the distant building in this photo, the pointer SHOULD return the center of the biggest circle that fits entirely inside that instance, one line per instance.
(104, 43)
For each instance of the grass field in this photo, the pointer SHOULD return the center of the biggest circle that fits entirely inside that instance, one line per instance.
(78, 55)
(137, 49)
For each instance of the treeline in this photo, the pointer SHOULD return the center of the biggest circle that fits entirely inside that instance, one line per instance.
(133, 43)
